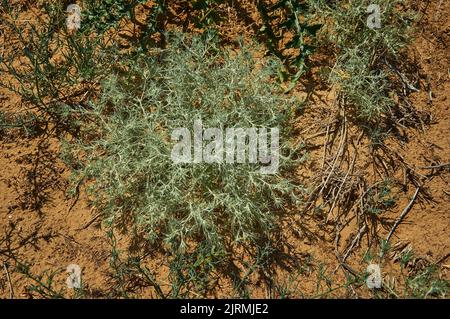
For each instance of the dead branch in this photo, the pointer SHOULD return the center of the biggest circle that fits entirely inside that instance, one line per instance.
(8, 277)
(403, 214)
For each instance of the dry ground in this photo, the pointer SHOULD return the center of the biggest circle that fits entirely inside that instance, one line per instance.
(43, 226)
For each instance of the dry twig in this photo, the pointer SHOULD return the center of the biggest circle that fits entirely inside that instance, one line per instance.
(403, 214)
(8, 277)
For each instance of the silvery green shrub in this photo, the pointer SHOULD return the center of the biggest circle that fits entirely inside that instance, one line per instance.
(125, 146)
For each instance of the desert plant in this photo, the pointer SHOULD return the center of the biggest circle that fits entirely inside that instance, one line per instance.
(54, 70)
(126, 148)
(362, 71)
(289, 17)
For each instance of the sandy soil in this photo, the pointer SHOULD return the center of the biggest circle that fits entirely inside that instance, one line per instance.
(43, 226)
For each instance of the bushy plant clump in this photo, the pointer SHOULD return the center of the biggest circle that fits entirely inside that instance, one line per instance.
(126, 146)
(364, 54)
